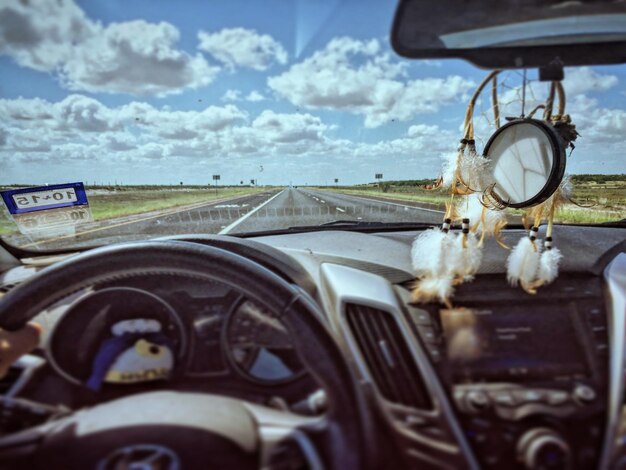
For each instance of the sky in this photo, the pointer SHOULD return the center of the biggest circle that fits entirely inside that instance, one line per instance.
(284, 92)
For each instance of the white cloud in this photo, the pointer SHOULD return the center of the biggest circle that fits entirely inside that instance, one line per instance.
(240, 47)
(117, 141)
(584, 79)
(29, 140)
(355, 76)
(424, 143)
(82, 128)
(289, 128)
(181, 124)
(75, 112)
(236, 95)
(134, 57)
(596, 124)
(78, 112)
(231, 95)
(40, 34)
(255, 96)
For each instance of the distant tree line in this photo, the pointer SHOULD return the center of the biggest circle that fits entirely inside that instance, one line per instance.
(421, 182)
(598, 179)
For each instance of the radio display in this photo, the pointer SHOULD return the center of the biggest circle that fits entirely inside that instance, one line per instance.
(513, 343)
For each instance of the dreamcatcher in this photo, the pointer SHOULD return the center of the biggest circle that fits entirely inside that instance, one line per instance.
(522, 166)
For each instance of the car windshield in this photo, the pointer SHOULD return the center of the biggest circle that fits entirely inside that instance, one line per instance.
(147, 119)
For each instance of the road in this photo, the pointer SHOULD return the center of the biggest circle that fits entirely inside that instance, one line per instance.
(262, 211)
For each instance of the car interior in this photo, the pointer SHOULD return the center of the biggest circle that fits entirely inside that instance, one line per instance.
(317, 348)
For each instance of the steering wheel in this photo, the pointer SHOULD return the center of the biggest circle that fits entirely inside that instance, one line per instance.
(192, 430)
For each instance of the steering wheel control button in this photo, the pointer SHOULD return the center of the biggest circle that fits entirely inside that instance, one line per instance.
(584, 394)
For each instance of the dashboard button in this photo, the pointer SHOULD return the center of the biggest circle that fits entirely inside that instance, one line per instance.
(556, 398)
(503, 398)
(478, 400)
(602, 348)
(435, 354)
(529, 396)
(584, 393)
(421, 317)
(428, 334)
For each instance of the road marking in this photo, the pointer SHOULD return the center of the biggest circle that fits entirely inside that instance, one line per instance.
(391, 203)
(241, 219)
(134, 221)
(340, 209)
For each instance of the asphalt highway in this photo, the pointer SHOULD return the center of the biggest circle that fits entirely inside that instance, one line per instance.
(269, 210)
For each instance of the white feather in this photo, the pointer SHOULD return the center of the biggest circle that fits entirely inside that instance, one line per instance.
(549, 265)
(449, 168)
(474, 171)
(474, 255)
(428, 252)
(470, 207)
(434, 288)
(566, 187)
(464, 261)
(472, 168)
(523, 262)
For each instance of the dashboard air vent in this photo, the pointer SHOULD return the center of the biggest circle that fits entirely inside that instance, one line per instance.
(387, 356)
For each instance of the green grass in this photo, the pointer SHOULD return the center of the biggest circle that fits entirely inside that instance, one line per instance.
(128, 201)
(108, 206)
(576, 215)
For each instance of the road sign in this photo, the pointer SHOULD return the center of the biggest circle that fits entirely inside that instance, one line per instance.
(216, 177)
(336, 180)
(379, 176)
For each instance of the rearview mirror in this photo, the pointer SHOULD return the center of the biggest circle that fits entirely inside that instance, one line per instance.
(512, 33)
(527, 162)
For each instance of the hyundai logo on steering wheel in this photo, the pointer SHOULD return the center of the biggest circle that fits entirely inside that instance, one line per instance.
(141, 457)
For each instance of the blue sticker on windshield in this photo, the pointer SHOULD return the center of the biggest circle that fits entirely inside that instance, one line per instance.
(54, 196)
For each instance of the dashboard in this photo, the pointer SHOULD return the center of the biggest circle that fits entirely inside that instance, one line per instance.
(502, 379)
(154, 332)
(189, 328)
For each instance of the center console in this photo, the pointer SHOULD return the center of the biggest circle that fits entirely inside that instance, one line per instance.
(527, 375)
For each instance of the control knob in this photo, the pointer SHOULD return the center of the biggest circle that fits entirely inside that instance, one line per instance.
(477, 400)
(543, 448)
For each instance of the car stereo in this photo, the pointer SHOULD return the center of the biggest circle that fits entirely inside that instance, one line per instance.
(512, 343)
(527, 375)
